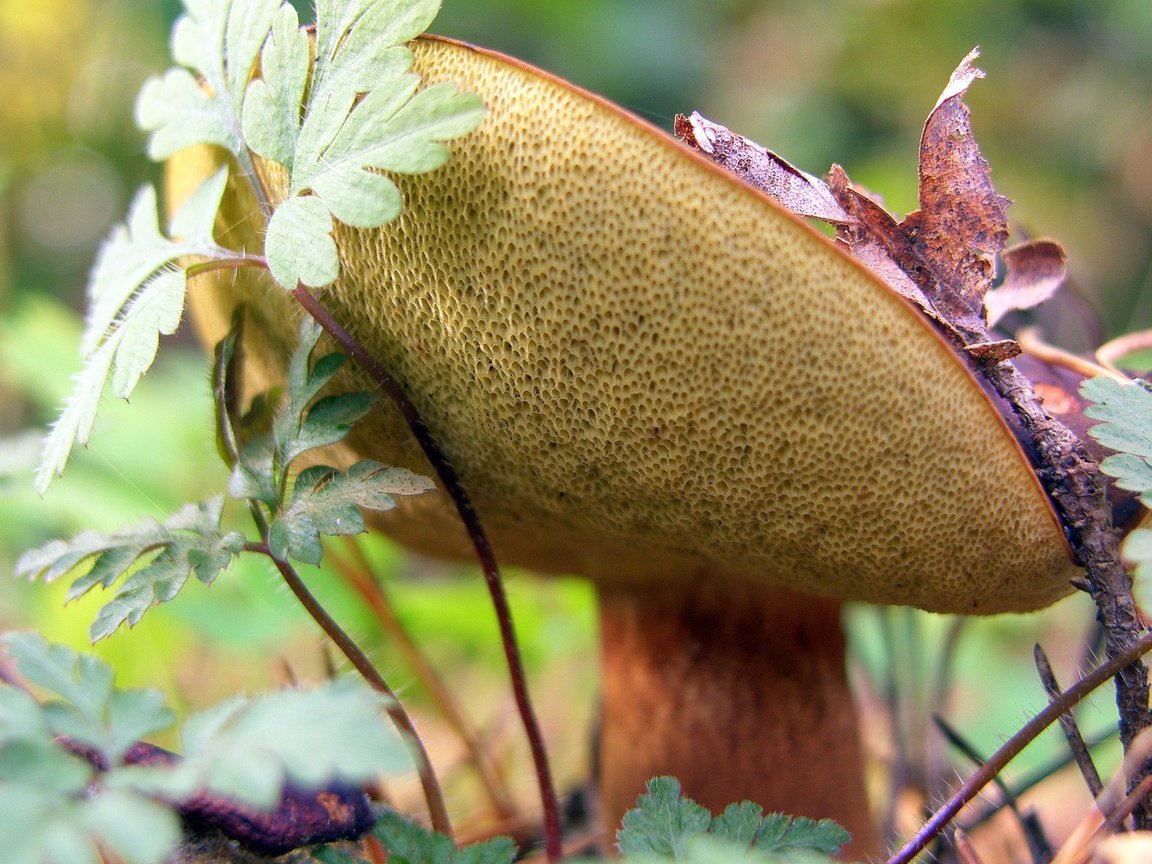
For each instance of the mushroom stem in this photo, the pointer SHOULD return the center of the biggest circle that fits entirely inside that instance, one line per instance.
(739, 690)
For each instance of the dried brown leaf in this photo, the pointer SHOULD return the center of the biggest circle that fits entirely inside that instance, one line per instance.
(874, 238)
(1034, 271)
(799, 192)
(993, 352)
(961, 224)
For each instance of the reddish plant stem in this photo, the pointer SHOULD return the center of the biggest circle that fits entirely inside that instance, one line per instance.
(358, 576)
(455, 489)
(1028, 732)
(437, 811)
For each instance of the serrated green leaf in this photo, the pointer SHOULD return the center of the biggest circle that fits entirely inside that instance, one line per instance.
(90, 709)
(407, 842)
(275, 100)
(134, 295)
(666, 826)
(188, 543)
(49, 808)
(662, 822)
(1132, 473)
(219, 40)
(362, 116)
(156, 309)
(198, 120)
(781, 833)
(74, 425)
(1126, 412)
(81, 680)
(325, 501)
(328, 421)
(298, 244)
(393, 128)
(739, 823)
(254, 476)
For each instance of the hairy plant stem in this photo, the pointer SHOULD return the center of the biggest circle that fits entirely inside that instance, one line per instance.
(1048, 715)
(460, 498)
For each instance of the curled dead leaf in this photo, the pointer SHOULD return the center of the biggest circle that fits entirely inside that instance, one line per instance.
(796, 190)
(961, 225)
(1034, 271)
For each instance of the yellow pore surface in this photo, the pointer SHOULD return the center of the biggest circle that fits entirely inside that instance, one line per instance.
(642, 368)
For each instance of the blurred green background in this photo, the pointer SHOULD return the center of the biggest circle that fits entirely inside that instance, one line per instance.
(1065, 118)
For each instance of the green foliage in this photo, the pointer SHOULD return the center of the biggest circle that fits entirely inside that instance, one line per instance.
(665, 826)
(189, 542)
(323, 500)
(361, 116)
(334, 122)
(90, 709)
(1126, 414)
(135, 293)
(54, 805)
(247, 749)
(409, 843)
(47, 812)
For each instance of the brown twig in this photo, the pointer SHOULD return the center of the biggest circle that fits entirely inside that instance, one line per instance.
(460, 498)
(1027, 733)
(358, 576)
(1076, 743)
(1077, 488)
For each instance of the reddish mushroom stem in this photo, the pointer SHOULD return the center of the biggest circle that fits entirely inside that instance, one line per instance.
(737, 689)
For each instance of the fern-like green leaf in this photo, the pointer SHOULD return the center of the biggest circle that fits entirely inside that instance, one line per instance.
(134, 294)
(188, 543)
(323, 501)
(362, 115)
(218, 40)
(326, 501)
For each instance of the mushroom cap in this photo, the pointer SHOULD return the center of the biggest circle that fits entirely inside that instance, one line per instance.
(640, 366)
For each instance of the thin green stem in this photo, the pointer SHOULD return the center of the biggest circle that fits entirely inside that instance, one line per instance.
(483, 548)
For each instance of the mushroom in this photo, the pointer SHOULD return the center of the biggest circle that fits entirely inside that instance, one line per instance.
(648, 373)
